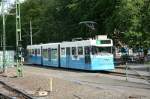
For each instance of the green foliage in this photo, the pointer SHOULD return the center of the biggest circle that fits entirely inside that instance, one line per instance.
(133, 39)
(127, 22)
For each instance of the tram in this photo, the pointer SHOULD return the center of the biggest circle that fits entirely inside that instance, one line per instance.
(91, 54)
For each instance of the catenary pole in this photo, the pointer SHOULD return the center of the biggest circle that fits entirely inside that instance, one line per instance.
(31, 36)
(18, 41)
(1, 40)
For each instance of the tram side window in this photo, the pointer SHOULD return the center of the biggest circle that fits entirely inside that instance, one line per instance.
(74, 51)
(32, 51)
(87, 54)
(87, 50)
(35, 52)
(54, 54)
(38, 51)
(80, 50)
(94, 51)
(62, 51)
(49, 54)
(28, 51)
(68, 51)
(45, 53)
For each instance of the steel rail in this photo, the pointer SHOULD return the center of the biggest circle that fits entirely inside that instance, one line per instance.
(16, 91)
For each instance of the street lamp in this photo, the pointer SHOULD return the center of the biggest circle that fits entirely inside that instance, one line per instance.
(4, 36)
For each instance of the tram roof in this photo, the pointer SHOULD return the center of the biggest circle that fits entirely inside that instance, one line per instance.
(86, 43)
(34, 46)
(48, 45)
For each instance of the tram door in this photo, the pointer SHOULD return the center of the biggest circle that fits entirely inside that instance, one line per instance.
(41, 55)
(67, 56)
(87, 55)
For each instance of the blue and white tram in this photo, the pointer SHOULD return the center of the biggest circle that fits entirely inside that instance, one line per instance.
(34, 54)
(86, 54)
(50, 54)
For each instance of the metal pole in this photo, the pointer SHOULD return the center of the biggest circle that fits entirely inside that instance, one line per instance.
(1, 40)
(31, 40)
(4, 38)
(18, 41)
(126, 71)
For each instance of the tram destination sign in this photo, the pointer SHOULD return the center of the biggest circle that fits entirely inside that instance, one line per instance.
(98, 42)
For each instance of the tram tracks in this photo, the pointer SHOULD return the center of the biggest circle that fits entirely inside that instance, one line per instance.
(135, 74)
(130, 75)
(7, 92)
(2, 96)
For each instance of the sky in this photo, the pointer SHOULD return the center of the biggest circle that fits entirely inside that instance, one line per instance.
(8, 3)
(12, 1)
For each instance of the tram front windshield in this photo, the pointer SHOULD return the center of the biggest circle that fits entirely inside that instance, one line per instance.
(101, 50)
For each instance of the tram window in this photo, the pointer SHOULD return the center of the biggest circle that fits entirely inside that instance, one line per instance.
(87, 50)
(80, 50)
(38, 51)
(28, 51)
(87, 54)
(62, 51)
(68, 51)
(94, 50)
(32, 51)
(104, 49)
(35, 52)
(45, 53)
(49, 54)
(54, 54)
(73, 50)
(98, 50)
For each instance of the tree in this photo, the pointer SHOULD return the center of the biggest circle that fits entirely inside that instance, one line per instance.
(125, 21)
